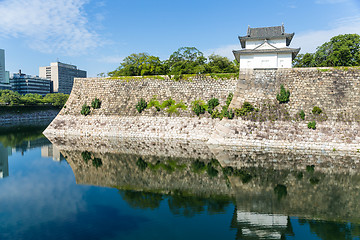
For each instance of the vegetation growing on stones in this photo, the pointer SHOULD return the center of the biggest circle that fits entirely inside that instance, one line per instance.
(281, 191)
(244, 110)
(96, 162)
(302, 114)
(316, 110)
(312, 125)
(141, 105)
(199, 107)
(85, 109)
(86, 156)
(142, 165)
(96, 103)
(212, 104)
(229, 99)
(284, 95)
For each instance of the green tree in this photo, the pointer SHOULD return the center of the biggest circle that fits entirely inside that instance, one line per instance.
(304, 60)
(219, 64)
(186, 60)
(139, 64)
(56, 99)
(9, 97)
(341, 50)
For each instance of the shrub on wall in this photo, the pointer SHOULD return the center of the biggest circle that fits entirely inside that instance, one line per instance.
(85, 109)
(141, 105)
(302, 115)
(316, 110)
(96, 162)
(212, 104)
(284, 95)
(96, 103)
(312, 125)
(244, 110)
(229, 99)
(199, 107)
(154, 103)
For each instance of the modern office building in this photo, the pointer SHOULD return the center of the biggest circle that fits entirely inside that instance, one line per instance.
(4, 165)
(4, 75)
(24, 84)
(61, 75)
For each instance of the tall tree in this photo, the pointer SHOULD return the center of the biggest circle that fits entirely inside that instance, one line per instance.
(341, 50)
(186, 60)
(219, 64)
(139, 64)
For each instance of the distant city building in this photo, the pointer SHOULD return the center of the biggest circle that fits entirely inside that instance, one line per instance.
(24, 84)
(266, 47)
(4, 75)
(4, 165)
(61, 75)
(52, 152)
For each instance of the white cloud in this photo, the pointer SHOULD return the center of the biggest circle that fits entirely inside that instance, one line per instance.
(50, 26)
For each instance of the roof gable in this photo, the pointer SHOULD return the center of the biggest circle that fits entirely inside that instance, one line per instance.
(265, 45)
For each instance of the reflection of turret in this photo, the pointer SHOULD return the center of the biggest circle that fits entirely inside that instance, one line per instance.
(304, 184)
(4, 166)
(252, 225)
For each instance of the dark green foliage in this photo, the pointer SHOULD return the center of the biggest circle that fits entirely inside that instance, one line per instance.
(229, 99)
(314, 180)
(86, 156)
(85, 109)
(228, 171)
(140, 64)
(96, 103)
(56, 99)
(167, 103)
(211, 171)
(316, 110)
(198, 107)
(341, 50)
(219, 64)
(284, 95)
(142, 165)
(281, 191)
(141, 105)
(198, 166)
(312, 125)
(9, 97)
(212, 104)
(229, 114)
(216, 114)
(302, 115)
(96, 162)
(244, 110)
(299, 176)
(243, 175)
(310, 168)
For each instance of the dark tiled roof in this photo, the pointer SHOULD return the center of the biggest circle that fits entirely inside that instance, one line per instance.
(266, 33)
(237, 53)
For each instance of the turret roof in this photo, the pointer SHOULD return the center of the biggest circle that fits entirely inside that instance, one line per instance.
(266, 33)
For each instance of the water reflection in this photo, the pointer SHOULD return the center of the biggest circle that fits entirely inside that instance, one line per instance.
(275, 192)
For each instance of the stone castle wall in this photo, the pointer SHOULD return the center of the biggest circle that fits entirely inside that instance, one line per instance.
(334, 90)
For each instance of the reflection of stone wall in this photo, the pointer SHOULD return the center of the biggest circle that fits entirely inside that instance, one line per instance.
(122, 171)
(318, 185)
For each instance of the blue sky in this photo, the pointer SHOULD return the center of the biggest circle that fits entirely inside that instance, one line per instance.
(96, 35)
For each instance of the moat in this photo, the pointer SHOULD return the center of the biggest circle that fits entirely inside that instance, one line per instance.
(110, 188)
